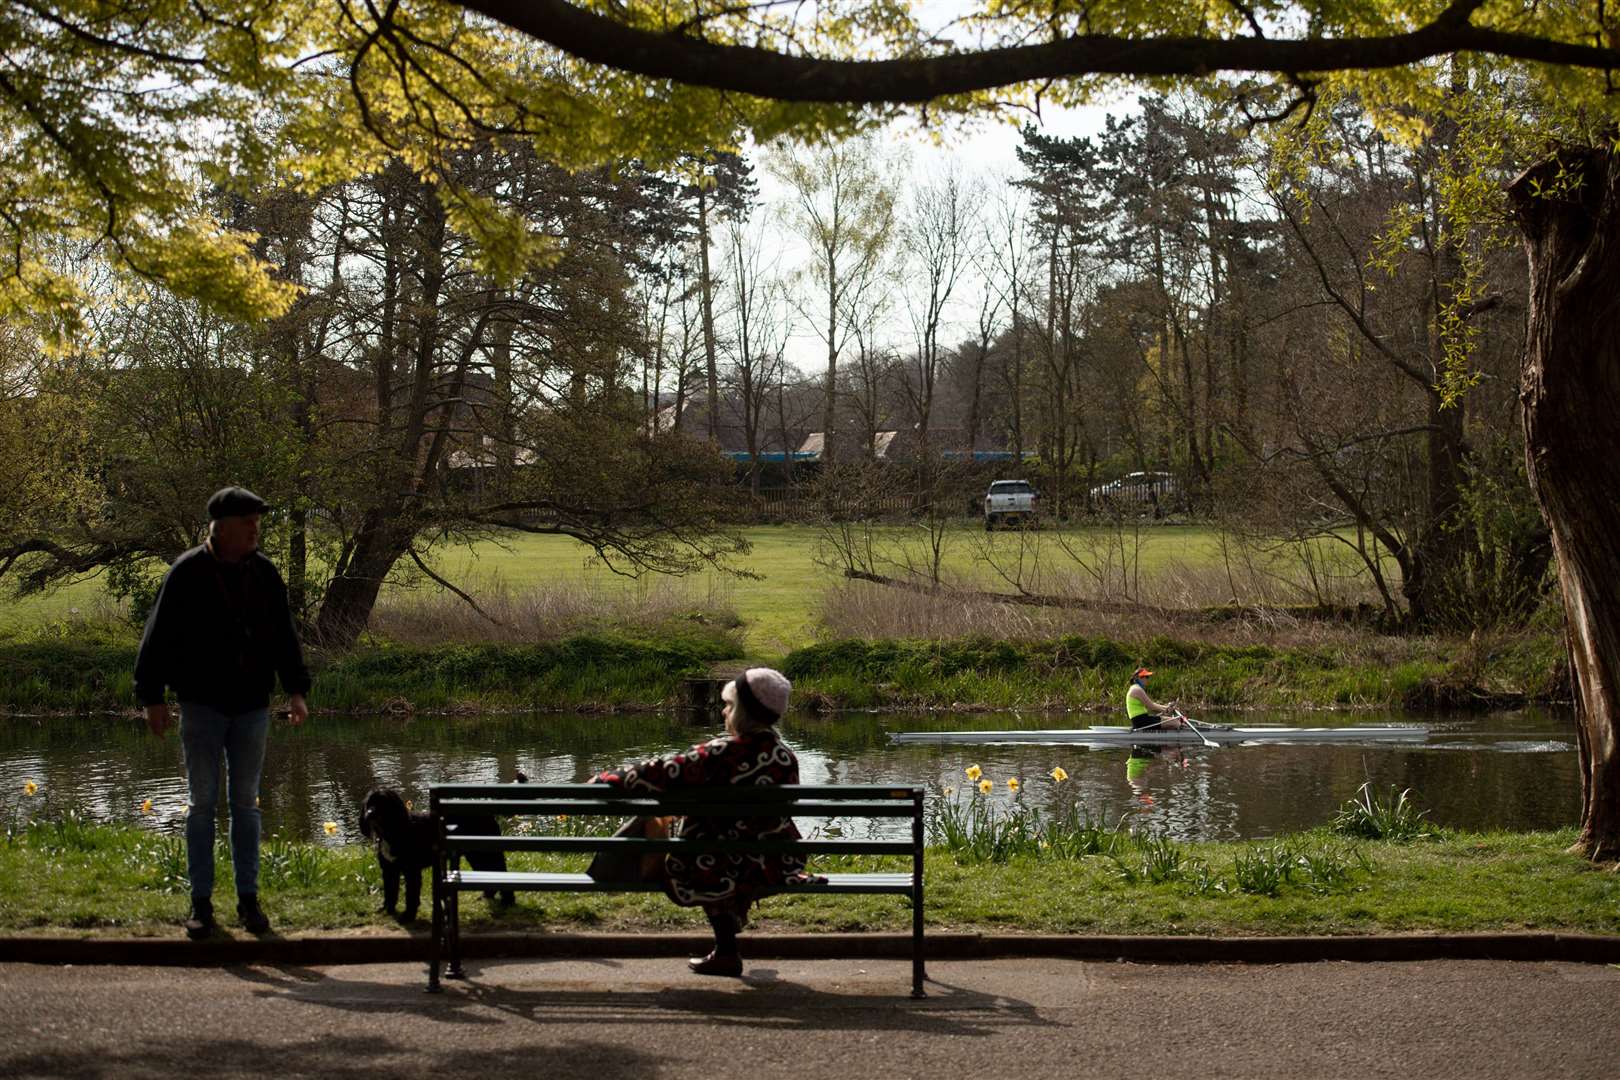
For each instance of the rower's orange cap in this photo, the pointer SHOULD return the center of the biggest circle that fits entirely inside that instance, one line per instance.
(1142, 673)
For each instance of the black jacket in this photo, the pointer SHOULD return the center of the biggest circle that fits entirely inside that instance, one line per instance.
(219, 634)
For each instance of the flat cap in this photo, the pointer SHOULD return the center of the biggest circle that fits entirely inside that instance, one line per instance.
(234, 502)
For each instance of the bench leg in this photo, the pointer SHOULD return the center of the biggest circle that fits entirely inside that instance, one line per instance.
(918, 840)
(436, 949)
(455, 971)
(917, 972)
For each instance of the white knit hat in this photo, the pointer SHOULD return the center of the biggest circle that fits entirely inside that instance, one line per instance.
(770, 688)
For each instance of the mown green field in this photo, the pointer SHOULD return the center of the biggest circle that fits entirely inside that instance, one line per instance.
(884, 647)
(778, 607)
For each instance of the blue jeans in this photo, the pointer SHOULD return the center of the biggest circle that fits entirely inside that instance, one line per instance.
(208, 736)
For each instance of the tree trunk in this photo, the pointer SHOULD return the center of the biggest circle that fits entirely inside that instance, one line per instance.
(346, 607)
(1569, 382)
(298, 564)
(829, 414)
(706, 298)
(500, 355)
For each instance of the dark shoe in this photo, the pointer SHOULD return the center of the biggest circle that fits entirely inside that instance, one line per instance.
(254, 920)
(717, 964)
(200, 923)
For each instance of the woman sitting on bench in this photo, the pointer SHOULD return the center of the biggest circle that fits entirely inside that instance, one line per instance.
(750, 753)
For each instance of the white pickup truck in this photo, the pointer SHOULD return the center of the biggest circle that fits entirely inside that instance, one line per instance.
(1009, 502)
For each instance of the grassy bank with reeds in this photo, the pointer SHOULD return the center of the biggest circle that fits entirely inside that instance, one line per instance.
(1058, 876)
(566, 649)
(1074, 672)
(642, 666)
(581, 672)
(539, 641)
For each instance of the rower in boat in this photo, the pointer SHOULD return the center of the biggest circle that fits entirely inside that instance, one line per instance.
(1143, 711)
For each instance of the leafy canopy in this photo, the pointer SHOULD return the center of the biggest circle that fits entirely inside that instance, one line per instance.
(117, 112)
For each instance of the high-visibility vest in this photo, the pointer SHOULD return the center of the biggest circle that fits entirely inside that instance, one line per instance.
(1134, 706)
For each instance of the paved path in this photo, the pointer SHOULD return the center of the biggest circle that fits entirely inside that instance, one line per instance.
(649, 1019)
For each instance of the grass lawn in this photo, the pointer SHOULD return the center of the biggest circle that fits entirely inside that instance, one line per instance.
(125, 880)
(779, 607)
(790, 595)
(21, 617)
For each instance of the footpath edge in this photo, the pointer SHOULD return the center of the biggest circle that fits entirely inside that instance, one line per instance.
(323, 950)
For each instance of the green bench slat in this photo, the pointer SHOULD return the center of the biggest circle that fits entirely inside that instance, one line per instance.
(470, 880)
(589, 844)
(672, 806)
(731, 792)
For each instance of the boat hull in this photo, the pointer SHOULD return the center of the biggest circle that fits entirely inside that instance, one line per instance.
(1124, 736)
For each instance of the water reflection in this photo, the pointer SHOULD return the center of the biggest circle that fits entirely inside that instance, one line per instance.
(1510, 770)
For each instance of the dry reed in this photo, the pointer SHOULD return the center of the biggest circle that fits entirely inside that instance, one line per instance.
(549, 612)
(860, 610)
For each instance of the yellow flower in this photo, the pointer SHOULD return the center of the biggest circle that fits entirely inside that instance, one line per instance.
(409, 805)
(30, 788)
(146, 806)
(562, 817)
(949, 792)
(1059, 775)
(986, 787)
(974, 772)
(331, 828)
(1012, 783)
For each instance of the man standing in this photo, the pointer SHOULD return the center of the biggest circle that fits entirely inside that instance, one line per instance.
(219, 634)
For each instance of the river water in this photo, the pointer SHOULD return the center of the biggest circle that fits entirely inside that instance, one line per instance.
(1511, 770)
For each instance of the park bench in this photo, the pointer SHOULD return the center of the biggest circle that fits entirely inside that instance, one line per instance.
(545, 802)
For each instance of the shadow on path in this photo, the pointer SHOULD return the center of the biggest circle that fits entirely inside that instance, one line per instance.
(619, 996)
(338, 1058)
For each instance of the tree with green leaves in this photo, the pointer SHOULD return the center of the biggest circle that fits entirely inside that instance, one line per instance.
(117, 108)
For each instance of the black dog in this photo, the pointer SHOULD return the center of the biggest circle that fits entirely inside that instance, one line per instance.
(405, 847)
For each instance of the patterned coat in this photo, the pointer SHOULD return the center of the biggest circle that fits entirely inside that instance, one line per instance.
(709, 878)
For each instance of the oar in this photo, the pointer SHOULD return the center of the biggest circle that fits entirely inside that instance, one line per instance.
(1188, 722)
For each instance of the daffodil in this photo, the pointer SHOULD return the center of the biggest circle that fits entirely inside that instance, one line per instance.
(331, 828)
(30, 788)
(562, 817)
(974, 772)
(146, 806)
(1012, 783)
(986, 787)
(1059, 775)
(949, 792)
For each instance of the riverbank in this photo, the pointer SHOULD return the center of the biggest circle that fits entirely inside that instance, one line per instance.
(1077, 673)
(577, 673)
(642, 670)
(118, 880)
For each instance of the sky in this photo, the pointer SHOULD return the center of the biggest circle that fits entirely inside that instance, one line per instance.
(986, 148)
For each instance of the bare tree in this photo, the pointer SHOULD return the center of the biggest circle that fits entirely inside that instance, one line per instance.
(1009, 242)
(934, 236)
(843, 207)
(758, 339)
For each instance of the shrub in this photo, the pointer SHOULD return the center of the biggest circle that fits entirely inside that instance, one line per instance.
(1370, 817)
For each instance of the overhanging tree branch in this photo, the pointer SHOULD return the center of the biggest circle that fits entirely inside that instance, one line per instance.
(766, 73)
